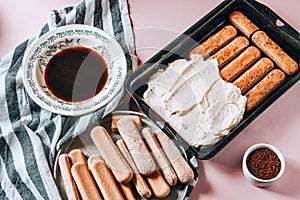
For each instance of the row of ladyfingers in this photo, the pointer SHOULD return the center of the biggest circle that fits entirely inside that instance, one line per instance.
(243, 64)
(150, 161)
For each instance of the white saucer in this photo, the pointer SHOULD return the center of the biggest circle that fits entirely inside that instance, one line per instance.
(44, 48)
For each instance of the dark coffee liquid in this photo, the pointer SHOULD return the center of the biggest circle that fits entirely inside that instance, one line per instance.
(76, 74)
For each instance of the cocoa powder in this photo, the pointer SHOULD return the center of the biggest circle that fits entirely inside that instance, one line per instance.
(263, 163)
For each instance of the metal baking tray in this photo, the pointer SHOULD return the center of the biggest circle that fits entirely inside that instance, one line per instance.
(266, 19)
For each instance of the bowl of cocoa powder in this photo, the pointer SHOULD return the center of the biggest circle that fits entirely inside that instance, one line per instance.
(263, 164)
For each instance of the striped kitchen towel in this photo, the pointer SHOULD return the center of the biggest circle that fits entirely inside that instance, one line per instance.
(30, 136)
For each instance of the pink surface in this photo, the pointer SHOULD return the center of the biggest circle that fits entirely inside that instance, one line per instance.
(156, 23)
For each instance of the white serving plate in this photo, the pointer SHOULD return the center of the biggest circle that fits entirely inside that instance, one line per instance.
(85, 143)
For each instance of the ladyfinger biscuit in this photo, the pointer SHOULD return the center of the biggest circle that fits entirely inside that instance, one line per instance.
(184, 172)
(158, 184)
(111, 155)
(136, 146)
(76, 155)
(127, 191)
(94, 158)
(136, 119)
(231, 50)
(264, 87)
(275, 52)
(69, 184)
(254, 74)
(104, 179)
(124, 188)
(159, 156)
(84, 180)
(240, 21)
(240, 64)
(215, 42)
(138, 180)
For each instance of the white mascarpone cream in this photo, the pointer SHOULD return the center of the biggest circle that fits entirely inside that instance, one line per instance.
(192, 97)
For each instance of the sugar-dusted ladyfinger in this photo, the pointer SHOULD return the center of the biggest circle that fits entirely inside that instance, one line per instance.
(85, 183)
(76, 155)
(138, 180)
(240, 64)
(275, 52)
(231, 50)
(136, 119)
(215, 42)
(184, 172)
(104, 179)
(264, 87)
(254, 74)
(240, 21)
(159, 156)
(111, 155)
(158, 184)
(127, 191)
(69, 184)
(136, 146)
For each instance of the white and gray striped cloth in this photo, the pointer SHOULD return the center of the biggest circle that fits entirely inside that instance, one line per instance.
(29, 135)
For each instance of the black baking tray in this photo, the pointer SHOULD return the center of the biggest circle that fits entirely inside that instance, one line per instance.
(261, 15)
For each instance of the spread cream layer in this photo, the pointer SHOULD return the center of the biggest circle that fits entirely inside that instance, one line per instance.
(192, 97)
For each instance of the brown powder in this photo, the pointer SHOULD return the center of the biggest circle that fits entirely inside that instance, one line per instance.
(263, 163)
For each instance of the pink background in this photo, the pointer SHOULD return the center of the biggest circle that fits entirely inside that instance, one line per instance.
(158, 22)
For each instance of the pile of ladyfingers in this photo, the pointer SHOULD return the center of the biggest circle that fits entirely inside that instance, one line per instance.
(141, 158)
(242, 63)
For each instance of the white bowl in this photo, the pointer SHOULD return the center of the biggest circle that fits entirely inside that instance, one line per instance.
(48, 45)
(257, 181)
